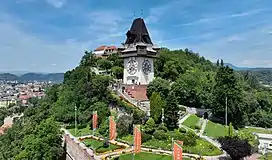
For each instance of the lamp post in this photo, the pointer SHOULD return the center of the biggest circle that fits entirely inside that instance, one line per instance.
(226, 112)
(75, 119)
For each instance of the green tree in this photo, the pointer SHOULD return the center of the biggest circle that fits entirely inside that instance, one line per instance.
(44, 143)
(124, 125)
(104, 64)
(150, 126)
(117, 72)
(156, 105)
(227, 85)
(158, 85)
(171, 110)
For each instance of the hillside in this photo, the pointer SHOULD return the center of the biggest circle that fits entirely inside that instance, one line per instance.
(8, 77)
(263, 75)
(55, 77)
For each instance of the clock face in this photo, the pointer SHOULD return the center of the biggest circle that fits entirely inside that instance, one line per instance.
(132, 67)
(146, 66)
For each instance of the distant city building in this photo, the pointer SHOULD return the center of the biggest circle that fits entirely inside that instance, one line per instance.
(104, 51)
(5, 102)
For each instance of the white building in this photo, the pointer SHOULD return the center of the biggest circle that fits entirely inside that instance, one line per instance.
(105, 51)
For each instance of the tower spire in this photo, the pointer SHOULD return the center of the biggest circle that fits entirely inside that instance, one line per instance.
(142, 13)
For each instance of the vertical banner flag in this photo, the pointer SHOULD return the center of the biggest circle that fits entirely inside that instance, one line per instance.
(112, 128)
(137, 139)
(95, 120)
(177, 150)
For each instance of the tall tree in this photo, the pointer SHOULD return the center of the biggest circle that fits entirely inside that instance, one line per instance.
(228, 86)
(156, 105)
(171, 111)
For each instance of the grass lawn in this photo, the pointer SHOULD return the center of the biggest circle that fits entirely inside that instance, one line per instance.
(128, 138)
(81, 132)
(147, 156)
(98, 146)
(203, 147)
(215, 130)
(264, 156)
(191, 121)
(265, 131)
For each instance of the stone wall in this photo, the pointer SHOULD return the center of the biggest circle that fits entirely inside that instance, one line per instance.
(76, 150)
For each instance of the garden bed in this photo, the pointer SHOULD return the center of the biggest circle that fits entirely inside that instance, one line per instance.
(100, 147)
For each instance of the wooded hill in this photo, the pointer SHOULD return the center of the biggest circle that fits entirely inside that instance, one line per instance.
(55, 77)
(182, 77)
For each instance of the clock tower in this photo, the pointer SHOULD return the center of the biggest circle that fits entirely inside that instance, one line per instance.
(138, 53)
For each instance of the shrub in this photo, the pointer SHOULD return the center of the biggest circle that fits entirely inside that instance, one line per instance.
(160, 135)
(145, 137)
(162, 127)
(81, 126)
(70, 126)
(182, 130)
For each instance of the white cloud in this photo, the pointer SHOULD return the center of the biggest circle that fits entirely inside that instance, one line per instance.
(233, 15)
(22, 51)
(57, 3)
(250, 48)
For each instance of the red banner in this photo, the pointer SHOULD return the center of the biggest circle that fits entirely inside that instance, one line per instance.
(95, 117)
(177, 153)
(112, 128)
(137, 139)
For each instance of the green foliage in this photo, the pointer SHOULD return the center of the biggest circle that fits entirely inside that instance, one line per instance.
(156, 105)
(248, 136)
(171, 111)
(150, 126)
(158, 85)
(124, 125)
(104, 64)
(117, 72)
(99, 146)
(196, 82)
(160, 135)
(227, 85)
(237, 148)
(230, 130)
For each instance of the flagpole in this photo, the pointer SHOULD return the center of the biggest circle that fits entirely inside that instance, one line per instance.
(109, 135)
(133, 153)
(75, 120)
(172, 148)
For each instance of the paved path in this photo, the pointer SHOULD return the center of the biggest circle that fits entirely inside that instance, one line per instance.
(187, 115)
(204, 123)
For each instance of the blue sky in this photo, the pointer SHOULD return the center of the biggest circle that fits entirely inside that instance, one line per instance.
(51, 35)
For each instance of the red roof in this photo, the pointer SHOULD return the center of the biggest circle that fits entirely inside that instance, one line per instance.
(137, 92)
(24, 97)
(102, 48)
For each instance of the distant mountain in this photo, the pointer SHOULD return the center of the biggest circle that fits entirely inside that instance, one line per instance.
(54, 77)
(246, 68)
(57, 77)
(237, 68)
(8, 77)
